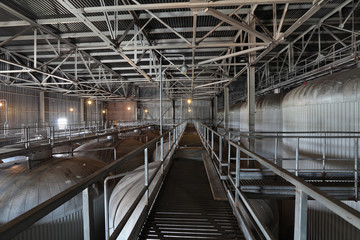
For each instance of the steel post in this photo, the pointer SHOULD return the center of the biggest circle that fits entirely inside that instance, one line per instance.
(300, 225)
(162, 154)
(146, 166)
(88, 219)
(324, 154)
(212, 144)
(237, 179)
(356, 168)
(220, 154)
(297, 157)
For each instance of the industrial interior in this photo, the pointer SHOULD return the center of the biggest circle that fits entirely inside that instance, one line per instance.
(182, 119)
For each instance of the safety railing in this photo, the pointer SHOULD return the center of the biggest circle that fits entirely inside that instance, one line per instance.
(303, 190)
(312, 66)
(52, 134)
(323, 154)
(25, 220)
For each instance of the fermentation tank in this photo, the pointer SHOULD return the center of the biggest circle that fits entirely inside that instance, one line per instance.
(25, 189)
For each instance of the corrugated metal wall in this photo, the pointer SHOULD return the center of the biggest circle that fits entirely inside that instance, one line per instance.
(69, 227)
(24, 108)
(323, 224)
(200, 110)
(58, 106)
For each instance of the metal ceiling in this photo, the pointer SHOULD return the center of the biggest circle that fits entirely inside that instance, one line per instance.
(109, 48)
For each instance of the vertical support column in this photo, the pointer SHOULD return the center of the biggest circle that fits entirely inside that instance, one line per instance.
(161, 97)
(82, 111)
(146, 166)
(300, 225)
(226, 109)
(181, 107)
(237, 176)
(211, 113)
(136, 111)
(42, 109)
(96, 112)
(356, 168)
(162, 154)
(319, 41)
(88, 222)
(291, 57)
(216, 101)
(173, 111)
(251, 94)
(35, 48)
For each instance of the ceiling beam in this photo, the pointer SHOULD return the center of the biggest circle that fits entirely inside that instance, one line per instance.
(181, 5)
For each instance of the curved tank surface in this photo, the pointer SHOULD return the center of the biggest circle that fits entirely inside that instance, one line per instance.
(124, 194)
(24, 189)
(123, 147)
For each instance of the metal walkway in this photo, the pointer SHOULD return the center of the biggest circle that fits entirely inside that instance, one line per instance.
(185, 208)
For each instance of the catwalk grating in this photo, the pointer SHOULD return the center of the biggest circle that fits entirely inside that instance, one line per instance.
(185, 208)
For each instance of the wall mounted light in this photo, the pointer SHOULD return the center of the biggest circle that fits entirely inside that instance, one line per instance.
(129, 108)
(188, 101)
(104, 111)
(183, 68)
(71, 109)
(89, 102)
(1, 104)
(189, 109)
(146, 111)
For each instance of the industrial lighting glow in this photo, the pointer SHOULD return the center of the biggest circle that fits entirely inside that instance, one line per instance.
(129, 108)
(71, 109)
(62, 122)
(104, 111)
(183, 68)
(146, 111)
(89, 102)
(1, 104)
(189, 110)
(189, 101)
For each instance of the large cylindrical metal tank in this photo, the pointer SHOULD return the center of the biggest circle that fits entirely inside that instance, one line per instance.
(24, 189)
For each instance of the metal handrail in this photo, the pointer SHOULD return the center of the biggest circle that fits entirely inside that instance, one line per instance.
(303, 189)
(25, 220)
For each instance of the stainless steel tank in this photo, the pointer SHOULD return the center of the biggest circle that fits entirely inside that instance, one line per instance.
(24, 189)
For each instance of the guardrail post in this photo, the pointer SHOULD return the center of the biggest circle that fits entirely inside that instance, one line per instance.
(69, 132)
(300, 225)
(276, 149)
(229, 159)
(52, 136)
(356, 168)
(88, 222)
(97, 131)
(220, 154)
(324, 154)
(237, 179)
(212, 144)
(297, 157)
(146, 168)
(169, 140)
(207, 138)
(26, 137)
(174, 136)
(162, 154)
